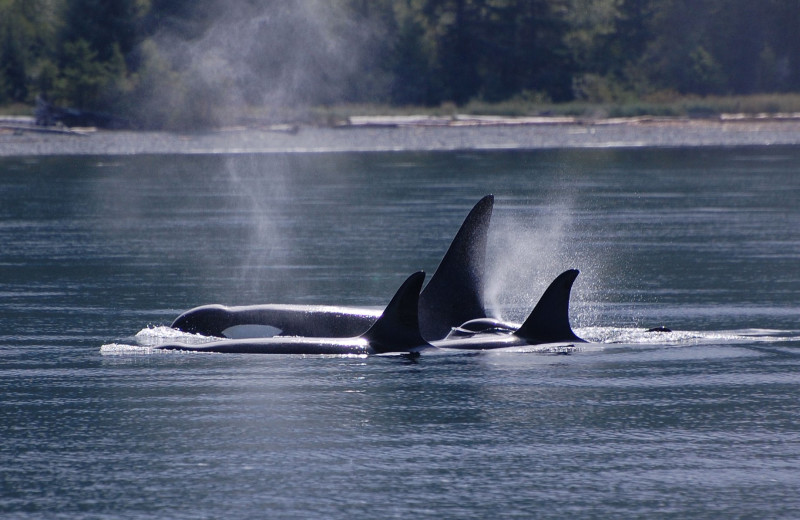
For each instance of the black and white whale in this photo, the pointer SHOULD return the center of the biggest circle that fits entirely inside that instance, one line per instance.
(453, 295)
(396, 330)
(547, 323)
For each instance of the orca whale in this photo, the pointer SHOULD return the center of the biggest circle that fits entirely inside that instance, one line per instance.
(547, 323)
(659, 329)
(453, 296)
(396, 330)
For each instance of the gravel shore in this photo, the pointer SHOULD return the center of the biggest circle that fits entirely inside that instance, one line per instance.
(407, 134)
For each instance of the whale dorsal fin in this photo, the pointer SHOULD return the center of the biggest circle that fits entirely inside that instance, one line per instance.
(454, 293)
(397, 330)
(549, 320)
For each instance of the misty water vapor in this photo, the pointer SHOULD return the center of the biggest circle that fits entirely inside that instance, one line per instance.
(278, 55)
(529, 250)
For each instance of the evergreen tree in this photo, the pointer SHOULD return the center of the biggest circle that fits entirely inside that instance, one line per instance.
(410, 67)
(457, 48)
(26, 30)
(14, 61)
(102, 24)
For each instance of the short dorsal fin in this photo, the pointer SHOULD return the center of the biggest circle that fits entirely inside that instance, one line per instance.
(454, 293)
(549, 321)
(397, 330)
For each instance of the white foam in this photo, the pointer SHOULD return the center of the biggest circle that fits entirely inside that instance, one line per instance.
(157, 335)
(117, 349)
(680, 337)
(122, 349)
(548, 348)
(147, 339)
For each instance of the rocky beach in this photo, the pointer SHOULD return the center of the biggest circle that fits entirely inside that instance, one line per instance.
(19, 137)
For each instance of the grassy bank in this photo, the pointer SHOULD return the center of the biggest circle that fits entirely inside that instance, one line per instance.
(16, 109)
(659, 106)
(664, 106)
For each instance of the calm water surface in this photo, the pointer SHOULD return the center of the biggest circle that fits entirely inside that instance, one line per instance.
(106, 251)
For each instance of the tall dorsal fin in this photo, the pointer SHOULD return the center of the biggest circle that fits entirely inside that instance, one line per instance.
(397, 330)
(454, 293)
(549, 321)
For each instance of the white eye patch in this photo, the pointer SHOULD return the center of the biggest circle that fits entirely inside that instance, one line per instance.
(251, 331)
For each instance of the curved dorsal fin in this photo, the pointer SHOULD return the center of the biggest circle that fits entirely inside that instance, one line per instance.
(454, 293)
(549, 320)
(397, 330)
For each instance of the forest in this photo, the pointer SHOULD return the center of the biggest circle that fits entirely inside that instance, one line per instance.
(183, 63)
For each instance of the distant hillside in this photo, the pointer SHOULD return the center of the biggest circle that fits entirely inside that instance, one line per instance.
(181, 63)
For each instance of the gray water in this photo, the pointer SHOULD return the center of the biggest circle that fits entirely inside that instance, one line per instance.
(99, 254)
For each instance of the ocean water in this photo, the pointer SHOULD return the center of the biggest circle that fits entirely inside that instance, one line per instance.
(98, 255)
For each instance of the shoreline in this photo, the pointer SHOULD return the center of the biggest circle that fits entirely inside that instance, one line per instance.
(410, 133)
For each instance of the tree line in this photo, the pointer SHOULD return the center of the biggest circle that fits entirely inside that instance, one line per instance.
(184, 62)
